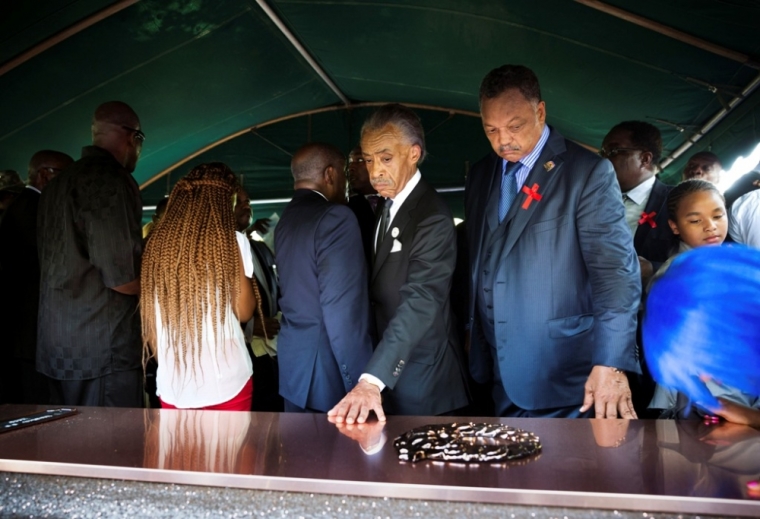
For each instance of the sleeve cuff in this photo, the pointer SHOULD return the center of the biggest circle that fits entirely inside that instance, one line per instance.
(372, 380)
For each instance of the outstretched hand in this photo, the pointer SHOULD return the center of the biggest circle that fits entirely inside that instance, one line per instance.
(738, 413)
(607, 390)
(357, 404)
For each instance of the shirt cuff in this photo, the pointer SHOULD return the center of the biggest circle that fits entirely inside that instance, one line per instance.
(372, 380)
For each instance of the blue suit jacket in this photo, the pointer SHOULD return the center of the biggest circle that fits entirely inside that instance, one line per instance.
(566, 286)
(324, 342)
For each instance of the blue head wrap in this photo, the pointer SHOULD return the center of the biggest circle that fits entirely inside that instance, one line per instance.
(703, 318)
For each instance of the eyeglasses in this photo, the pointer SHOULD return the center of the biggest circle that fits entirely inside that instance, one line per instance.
(139, 135)
(608, 154)
(53, 170)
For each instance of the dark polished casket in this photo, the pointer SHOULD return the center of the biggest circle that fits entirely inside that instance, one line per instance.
(167, 462)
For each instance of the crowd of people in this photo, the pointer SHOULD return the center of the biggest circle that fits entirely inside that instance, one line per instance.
(373, 303)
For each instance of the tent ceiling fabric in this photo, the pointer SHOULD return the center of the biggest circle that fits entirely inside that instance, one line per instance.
(198, 71)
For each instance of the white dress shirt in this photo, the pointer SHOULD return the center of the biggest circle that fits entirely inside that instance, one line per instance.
(635, 202)
(400, 198)
(744, 219)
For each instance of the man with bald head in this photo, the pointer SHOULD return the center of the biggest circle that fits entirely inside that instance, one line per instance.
(20, 277)
(90, 245)
(324, 341)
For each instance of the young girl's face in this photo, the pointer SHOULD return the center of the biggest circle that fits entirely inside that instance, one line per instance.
(701, 219)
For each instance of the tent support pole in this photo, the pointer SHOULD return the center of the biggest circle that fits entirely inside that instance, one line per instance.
(302, 50)
(369, 104)
(709, 125)
(64, 34)
(672, 33)
(286, 118)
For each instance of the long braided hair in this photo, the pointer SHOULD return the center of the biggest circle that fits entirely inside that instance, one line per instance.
(191, 263)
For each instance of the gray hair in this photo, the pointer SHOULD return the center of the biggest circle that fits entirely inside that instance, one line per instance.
(404, 119)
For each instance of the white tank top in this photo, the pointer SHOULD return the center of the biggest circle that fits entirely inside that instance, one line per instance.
(223, 367)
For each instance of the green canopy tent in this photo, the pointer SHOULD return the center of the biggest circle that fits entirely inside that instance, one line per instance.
(247, 82)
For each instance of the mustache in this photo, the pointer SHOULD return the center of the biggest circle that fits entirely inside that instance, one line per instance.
(504, 148)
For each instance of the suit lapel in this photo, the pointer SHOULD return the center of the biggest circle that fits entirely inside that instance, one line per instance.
(400, 221)
(541, 177)
(479, 189)
(655, 203)
(492, 202)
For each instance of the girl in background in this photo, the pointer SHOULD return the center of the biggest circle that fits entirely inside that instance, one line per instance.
(697, 215)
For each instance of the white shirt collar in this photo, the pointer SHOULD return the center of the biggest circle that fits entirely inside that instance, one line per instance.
(34, 189)
(320, 194)
(640, 194)
(402, 195)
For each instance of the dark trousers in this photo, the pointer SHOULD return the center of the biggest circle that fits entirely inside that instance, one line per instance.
(506, 408)
(120, 389)
(266, 383)
(503, 405)
(290, 407)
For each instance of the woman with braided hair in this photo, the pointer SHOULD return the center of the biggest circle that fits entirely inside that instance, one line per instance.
(196, 289)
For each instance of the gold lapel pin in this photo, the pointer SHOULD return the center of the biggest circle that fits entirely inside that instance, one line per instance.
(549, 166)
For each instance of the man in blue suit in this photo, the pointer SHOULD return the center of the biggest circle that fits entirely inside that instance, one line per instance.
(555, 279)
(324, 342)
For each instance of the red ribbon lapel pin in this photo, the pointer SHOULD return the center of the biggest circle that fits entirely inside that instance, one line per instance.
(648, 218)
(532, 195)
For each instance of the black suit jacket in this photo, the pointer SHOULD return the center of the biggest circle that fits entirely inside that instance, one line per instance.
(418, 357)
(655, 243)
(20, 275)
(268, 280)
(365, 216)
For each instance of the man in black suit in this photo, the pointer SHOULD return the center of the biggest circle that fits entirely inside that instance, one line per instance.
(416, 364)
(20, 283)
(634, 148)
(324, 341)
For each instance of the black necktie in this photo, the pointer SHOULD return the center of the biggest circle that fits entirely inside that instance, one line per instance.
(374, 200)
(385, 218)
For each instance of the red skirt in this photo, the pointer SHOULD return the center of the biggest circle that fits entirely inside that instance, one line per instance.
(240, 402)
